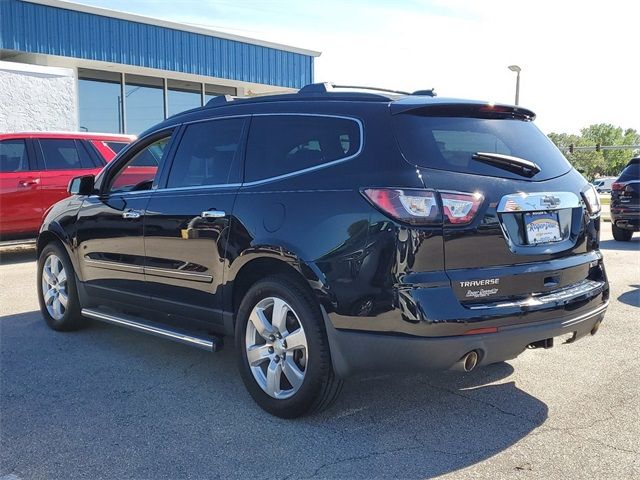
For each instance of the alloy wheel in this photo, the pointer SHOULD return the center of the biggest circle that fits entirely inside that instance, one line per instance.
(54, 287)
(276, 348)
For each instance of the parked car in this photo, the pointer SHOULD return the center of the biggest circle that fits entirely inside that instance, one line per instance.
(603, 185)
(625, 202)
(330, 232)
(35, 170)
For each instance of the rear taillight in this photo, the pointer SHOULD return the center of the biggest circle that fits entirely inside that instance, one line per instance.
(421, 207)
(417, 207)
(617, 186)
(460, 208)
(592, 200)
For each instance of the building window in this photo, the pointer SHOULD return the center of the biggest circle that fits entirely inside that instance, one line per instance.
(102, 108)
(144, 102)
(183, 96)
(99, 101)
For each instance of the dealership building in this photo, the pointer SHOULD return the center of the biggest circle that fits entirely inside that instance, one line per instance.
(67, 66)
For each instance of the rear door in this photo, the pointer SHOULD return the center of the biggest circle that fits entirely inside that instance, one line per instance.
(62, 159)
(510, 200)
(188, 220)
(21, 206)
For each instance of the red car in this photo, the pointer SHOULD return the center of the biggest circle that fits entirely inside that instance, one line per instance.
(35, 169)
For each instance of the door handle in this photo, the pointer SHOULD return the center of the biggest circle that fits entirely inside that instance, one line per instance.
(213, 214)
(131, 214)
(31, 182)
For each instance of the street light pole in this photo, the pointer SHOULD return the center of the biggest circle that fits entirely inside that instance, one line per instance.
(517, 69)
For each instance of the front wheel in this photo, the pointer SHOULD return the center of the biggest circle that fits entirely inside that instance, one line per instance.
(57, 291)
(282, 349)
(621, 234)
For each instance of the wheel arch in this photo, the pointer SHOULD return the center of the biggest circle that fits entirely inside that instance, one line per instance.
(250, 268)
(54, 232)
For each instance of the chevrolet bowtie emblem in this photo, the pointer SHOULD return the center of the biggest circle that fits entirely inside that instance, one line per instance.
(550, 201)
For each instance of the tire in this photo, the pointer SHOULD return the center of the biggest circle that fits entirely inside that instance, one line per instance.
(57, 281)
(621, 234)
(319, 386)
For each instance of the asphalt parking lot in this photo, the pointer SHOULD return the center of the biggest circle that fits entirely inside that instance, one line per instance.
(106, 402)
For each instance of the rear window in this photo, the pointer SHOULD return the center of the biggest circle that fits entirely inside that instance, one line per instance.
(630, 172)
(281, 144)
(448, 143)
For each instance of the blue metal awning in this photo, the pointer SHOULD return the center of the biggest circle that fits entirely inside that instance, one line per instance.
(68, 30)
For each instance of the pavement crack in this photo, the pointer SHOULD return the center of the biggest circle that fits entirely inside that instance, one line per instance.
(483, 402)
(367, 456)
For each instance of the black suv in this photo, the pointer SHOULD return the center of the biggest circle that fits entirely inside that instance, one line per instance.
(625, 202)
(331, 232)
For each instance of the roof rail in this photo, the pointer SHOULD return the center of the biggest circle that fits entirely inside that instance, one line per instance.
(431, 92)
(219, 100)
(326, 87)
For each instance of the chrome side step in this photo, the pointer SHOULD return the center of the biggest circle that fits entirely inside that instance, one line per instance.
(212, 344)
(27, 242)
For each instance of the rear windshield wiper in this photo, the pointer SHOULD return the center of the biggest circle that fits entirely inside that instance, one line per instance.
(517, 165)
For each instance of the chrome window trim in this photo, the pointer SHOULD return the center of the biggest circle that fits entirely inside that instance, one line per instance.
(533, 202)
(316, 167)
(199, 187)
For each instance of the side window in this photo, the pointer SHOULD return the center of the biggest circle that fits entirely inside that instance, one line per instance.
(280, 144)
(13, 156)
(141, 169)
(206, 153)
(64, 154)
(116, 146)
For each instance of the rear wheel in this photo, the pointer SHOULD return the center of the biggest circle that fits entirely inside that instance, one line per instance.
(57, 291)
(621, 234)
(282, 349)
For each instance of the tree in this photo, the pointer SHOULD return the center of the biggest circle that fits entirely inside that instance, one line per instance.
(603, 163)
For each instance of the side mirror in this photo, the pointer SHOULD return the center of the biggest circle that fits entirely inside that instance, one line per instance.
(83, 185)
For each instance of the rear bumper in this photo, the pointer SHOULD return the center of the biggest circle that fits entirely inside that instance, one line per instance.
(354, 352)
(626, 219)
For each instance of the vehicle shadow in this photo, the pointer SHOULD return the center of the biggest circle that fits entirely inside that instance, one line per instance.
(633, 244)
(14, 255)
(109, 402)
(632, 297)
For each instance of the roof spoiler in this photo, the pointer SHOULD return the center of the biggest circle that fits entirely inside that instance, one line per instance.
(463, 109)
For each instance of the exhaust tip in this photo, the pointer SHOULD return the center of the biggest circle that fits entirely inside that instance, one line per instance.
(467, 363)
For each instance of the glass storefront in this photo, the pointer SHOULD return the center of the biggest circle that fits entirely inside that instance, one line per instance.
(183, 96)
(102, 108)
(99, 102)
(144, 102)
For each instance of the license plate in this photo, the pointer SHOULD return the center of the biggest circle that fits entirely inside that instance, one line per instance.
(542, 227)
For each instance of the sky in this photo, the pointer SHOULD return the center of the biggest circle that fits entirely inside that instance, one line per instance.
(580, 60)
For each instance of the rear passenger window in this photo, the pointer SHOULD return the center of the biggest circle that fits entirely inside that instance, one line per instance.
(13, 156)
(206, 154)
(281, 144)
(64, 154)
(116, 146)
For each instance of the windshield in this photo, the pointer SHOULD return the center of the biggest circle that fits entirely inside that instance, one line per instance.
(449, 143)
